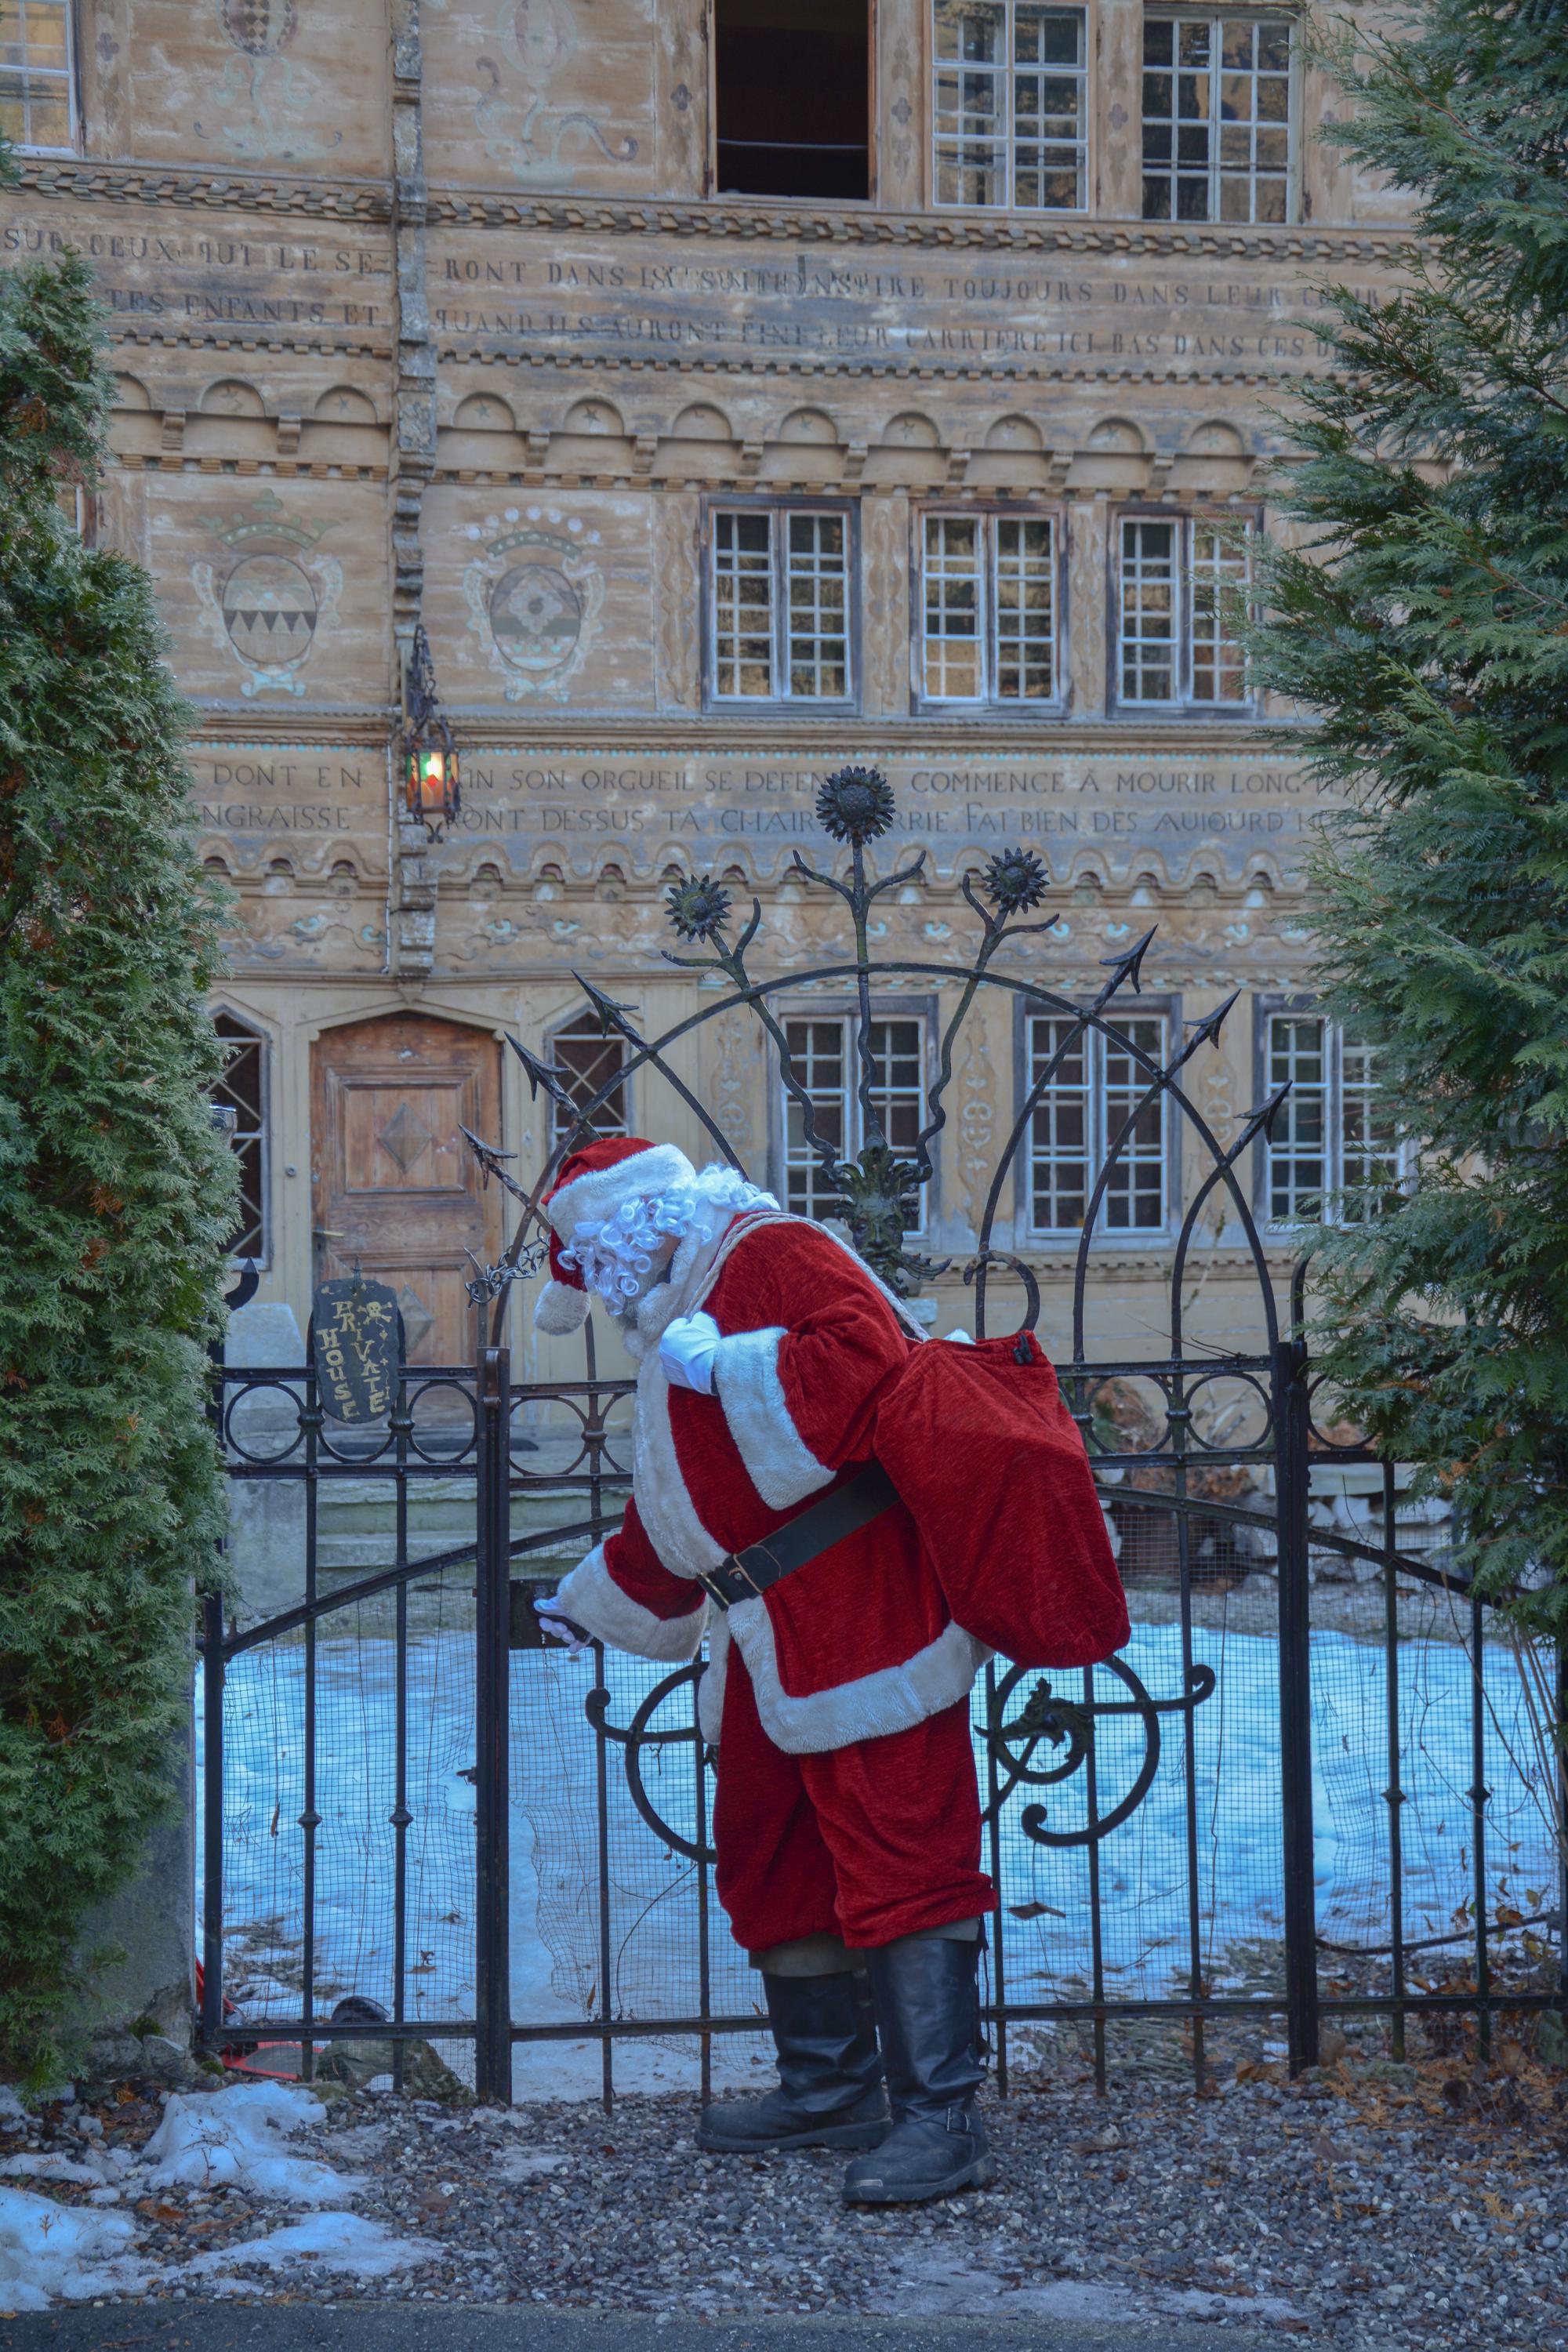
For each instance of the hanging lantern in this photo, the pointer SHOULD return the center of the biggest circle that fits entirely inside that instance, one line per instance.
(432, 791)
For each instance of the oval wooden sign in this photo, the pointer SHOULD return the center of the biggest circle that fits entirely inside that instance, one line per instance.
(354, 1344)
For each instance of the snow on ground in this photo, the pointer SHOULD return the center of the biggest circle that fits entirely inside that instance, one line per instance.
(236, 2138)
(337, 2242)
(1227, 1805)
(50, 2252)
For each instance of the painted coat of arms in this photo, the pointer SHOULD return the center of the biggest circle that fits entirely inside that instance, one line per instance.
(533, 596)
(270, 594)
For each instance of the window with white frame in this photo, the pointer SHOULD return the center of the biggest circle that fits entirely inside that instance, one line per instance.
(1009, 106)
(36, 75)
(587, 1059)
(1335, 1143)
(988, 608)
(242, 1092)
(1098, 1112)
(780, 596)
(827, 1065)
(1216, 118)
(1181, 581)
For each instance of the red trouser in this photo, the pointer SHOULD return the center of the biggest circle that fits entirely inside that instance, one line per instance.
(867, 1843)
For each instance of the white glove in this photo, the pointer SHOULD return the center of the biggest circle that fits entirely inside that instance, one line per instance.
(558, 1628)
(687, 1350)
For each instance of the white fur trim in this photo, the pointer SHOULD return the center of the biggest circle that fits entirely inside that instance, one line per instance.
(664, 1502)
(710, 1689)
(867, 1709)
(596, 1194)
(560, 1308)
(781, 1466)
(592, 1599)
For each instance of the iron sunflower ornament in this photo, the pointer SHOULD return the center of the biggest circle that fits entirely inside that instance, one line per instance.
(855, 804)
(698, 908)
(1015, 881)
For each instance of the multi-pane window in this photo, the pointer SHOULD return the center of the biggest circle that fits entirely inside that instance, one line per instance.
(1335, 1143)
(1010, 105)
(1099, 1112)
(588, 1060)
(36, 74)
(781, 605)
(989, 608)
(1216, 118)
(242, 1092)
(1182, 580)
(1218, 573)
(827, 1063)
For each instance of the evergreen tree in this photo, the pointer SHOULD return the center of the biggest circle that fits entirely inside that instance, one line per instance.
(115, 1193)
(1424, 617)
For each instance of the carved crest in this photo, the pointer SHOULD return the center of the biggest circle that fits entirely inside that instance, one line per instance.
(534, 597)
(271, 593)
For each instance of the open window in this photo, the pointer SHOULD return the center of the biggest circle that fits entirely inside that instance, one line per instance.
(792, 91)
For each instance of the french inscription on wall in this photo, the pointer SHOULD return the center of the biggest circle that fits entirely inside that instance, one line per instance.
(187, 273)
(633, 297)
(310, 801)
(570, 808)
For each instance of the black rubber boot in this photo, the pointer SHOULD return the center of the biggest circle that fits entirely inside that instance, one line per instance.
(928, 2016)
(830, 2073)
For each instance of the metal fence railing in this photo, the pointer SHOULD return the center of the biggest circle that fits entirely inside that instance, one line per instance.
(1314, 1784)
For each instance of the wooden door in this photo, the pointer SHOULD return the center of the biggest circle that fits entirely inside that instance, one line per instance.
(392, 1184)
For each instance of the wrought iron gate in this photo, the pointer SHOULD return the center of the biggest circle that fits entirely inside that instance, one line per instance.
(359, 1885)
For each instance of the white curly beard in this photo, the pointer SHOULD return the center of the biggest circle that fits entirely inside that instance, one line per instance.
(620, 1259)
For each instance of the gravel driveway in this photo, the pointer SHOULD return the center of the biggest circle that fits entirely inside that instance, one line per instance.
(1371, 2204)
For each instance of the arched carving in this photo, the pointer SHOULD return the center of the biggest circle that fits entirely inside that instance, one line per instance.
(231, 395)
(345, 403)
(809, 427)
(1118, 434)
(701, 421)
(1015, 432)
(910, 430)
(592, 416)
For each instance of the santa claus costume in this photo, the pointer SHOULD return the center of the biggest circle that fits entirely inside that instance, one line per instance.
(846, 1821)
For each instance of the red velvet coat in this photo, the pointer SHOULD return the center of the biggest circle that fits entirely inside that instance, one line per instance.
(860, 1642)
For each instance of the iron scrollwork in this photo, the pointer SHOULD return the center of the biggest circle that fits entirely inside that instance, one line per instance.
(637, 1735)
(874, 1193)
(1047, 1717)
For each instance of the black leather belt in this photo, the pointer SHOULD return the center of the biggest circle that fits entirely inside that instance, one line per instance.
(746, 1575)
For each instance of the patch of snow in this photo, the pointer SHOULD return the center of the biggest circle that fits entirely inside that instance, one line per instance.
(50, 2251)
(932, 2286)
(339, 2242)
(34, 2166)
(13, 2114)
(234, 2139)
(529, 2163)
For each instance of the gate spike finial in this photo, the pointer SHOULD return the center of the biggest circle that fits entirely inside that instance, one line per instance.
(541, 1074)
(612, 1017)
(1129, 965)
(1260, 1121)
(1207, 1031)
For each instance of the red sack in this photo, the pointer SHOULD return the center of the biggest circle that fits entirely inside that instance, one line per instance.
(991, 1466)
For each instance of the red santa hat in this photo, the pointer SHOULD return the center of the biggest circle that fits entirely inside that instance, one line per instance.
(591, 1185)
